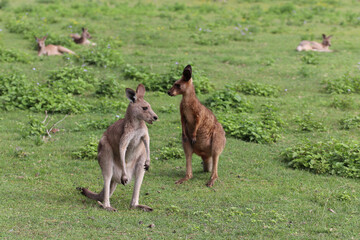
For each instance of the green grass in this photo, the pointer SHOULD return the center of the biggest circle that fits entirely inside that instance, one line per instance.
(257, 195)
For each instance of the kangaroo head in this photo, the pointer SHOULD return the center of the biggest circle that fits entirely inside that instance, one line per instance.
(326, 40)
(41, 42)
(184, 84)
(85, 33)
(138, 107)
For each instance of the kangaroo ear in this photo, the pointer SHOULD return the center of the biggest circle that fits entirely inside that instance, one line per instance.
(83, 29)
(44, 38)
(140, 91)
(187, 72)
(324, 36)
(130, 94)
(36, 39)
(329, 36)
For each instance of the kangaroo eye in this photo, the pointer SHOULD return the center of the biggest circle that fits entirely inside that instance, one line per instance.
(145, 108)
(177, 85)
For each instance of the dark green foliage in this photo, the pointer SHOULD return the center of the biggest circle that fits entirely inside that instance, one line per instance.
(34, 127)
(308, 124)
(9, 55)
(172, 150)
(163, 82)
(109, 87)
(343, 85)
(16, 91)
(108, 105)
(255, 89)
(74, 80)
(101, 56)
(87, 125)
(264, 130)
(343, 103)
(228, 100)
(310, 58)
(350, 122)
(88, 151)
(331, 157)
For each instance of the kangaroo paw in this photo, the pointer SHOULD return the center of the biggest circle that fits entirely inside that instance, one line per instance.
(143, 207)
(182, 180)
(110, 209)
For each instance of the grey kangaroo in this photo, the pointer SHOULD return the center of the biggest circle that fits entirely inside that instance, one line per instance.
(124, 152)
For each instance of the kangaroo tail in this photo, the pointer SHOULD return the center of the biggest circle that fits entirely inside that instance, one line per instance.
(65, 50)
(91, 195)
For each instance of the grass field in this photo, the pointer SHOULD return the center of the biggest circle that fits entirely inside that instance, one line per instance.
(282, 100)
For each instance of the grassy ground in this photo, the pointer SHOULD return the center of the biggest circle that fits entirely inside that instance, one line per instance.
(257, 196)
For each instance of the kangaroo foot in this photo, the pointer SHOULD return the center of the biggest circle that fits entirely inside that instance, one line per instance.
(110, 209)
(211, 182)
(182, 180)
(143, 207)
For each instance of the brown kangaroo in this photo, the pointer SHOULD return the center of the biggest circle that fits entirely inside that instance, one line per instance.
(83, 39)
(315, 46)
(202, 134)
(50, 50)
(124, 152)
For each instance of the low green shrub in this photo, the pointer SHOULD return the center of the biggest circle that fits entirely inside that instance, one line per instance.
(308, 124)
(310, 58)
(163, 82)
(74, 80)
(331, 157)
(100, 55)
(89, 124)
(255, 89)
(109, 87)
(10, 55)
(108, 105)
(350, 122)
(228, 100)
(208, 38)
(343, 103)
(172, 150)
(343, 85)
(16, 91)
(264, 130)
(168, 109)
(88, 151)
(34, 127)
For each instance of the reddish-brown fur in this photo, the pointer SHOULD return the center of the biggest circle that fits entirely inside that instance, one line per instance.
(83, 38)
(202, 134)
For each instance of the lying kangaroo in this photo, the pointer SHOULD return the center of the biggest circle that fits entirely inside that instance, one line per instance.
(315, 46)
(50, 50)
(201, 132)
(83, 38)
(123, 151)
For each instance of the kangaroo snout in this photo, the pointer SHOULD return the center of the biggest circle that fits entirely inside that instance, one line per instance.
(170, 94)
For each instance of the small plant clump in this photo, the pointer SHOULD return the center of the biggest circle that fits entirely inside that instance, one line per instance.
(171, 150)
(310, 58)
(264, 130)
(308, 124)
(93, 125)
(74, 80)
(16, 91)
(10, 55)
(350, 122)
(102, 56)
(344, 103)
(255, 89)
(88, 151)
(163, 82)
(109, 87)
(343, 85)
(228, 100)
(331, 157)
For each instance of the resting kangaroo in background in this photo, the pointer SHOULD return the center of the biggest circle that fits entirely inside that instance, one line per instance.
(50, 50)
(201, 132)
(83, 39)
(123, 151)
(315, 46)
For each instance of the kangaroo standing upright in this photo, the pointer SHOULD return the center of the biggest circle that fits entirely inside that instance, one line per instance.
(202, 134)
(50, 50)
(83, 38)
(124, 152)
(315, 46)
